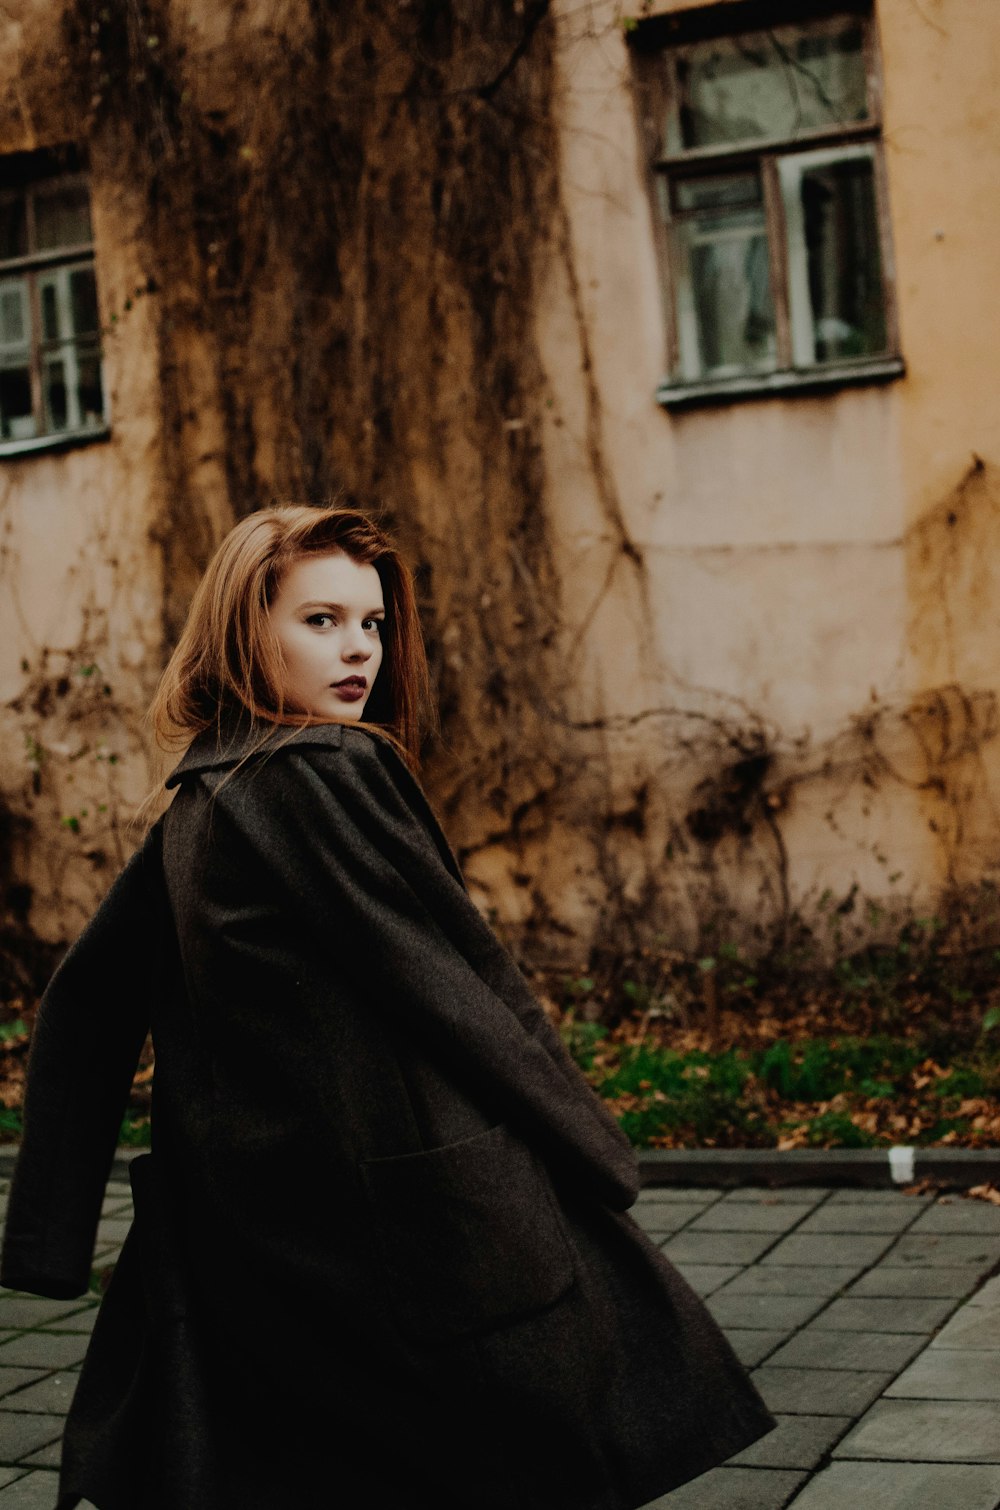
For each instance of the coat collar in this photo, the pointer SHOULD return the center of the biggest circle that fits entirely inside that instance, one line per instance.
(216, 749)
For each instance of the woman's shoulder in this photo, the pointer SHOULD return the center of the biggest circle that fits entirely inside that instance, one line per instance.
(222, 755)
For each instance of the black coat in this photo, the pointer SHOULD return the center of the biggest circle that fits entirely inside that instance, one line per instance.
(379, 1256)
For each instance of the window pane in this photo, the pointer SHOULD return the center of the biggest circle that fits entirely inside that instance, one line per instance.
(725, 310)
(55, 394)
(62, 217)
(837, 262)
(49, 294)
(771, 84)
(72, 388)
(13, 228)
(83, 300)
(718, 192)
(14, 318)
(90, 388)
(16, 419)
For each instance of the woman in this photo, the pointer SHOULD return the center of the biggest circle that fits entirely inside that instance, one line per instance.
(379, 1256)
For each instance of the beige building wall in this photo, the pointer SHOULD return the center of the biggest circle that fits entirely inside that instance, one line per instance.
(812, 577)
(780, 615)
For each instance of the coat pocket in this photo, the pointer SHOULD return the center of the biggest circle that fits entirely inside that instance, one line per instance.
(469, 1235)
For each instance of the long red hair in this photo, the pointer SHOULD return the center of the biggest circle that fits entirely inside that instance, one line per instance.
(228, 662)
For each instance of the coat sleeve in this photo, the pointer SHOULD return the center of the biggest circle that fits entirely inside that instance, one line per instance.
(354, 855)
(88, 1034)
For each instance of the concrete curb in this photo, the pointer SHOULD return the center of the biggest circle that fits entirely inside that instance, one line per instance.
(873, 1167)
(878, 1167)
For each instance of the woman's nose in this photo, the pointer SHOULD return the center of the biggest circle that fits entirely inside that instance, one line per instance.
(357, 646)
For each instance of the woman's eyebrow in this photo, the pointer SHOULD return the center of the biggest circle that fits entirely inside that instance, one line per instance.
(370, 613)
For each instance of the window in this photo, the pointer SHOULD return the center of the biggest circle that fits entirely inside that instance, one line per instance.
(770, 199)
(51, 384)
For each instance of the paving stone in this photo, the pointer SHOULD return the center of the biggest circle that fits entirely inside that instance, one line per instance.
(796, 1442)
(987, 1294)
(732, 1489)
(80, 1321)
(44, 1349)
(853, 1313)
(108, 1254)
(960, 1216)
(10, 1476)
(819, 1391)
(814, 1348)
(861, 1218)
(119, 1210)
(665, 1216)
(978, 1252)
(753, 1347)
(854, 1251)
(683, 1193)
(112, 1230)
(735, 1216)
(791, 1195)
(899, 1198)
(51, 1396)
(705, 1279)
(942, 1374)
(764, 1312)
(776, 1279)
(119, 1190)
(717, 1247)
(972, 1327)
(901, 1486)
(21, 1433)
(927, 1431)
(16, 1378)
(891, 1280)
(45, 1457)
(37, 1490)
(20, 1311)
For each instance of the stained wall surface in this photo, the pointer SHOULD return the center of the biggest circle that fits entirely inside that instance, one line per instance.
(810, 577)
(778, 616)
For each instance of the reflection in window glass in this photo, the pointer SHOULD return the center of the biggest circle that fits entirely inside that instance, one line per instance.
(13, 312)
(90, 389)
(718, 192)
(83, 300)
(50, 310)
(771, 84)
(54, 385)
(17, 422)
(13, 227)
(835, 263)
(727, 314)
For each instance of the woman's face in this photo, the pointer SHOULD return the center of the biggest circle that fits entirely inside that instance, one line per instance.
(328, 617)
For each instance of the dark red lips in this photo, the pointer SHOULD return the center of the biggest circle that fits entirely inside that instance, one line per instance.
(351, 689)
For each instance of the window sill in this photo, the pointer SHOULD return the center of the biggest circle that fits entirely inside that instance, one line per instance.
(65, 441)
(755, 385)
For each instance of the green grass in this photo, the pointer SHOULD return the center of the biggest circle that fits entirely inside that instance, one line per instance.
(755, 1098)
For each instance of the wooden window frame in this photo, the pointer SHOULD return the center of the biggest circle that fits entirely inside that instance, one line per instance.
(29, 267)
(656, 45)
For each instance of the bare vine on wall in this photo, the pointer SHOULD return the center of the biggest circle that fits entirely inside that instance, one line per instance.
(343, 212)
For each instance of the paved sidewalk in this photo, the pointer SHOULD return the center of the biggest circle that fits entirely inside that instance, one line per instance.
(862, 1313)
(870, 1334)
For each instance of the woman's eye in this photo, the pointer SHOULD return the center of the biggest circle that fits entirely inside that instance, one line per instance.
(375, 624)
(320, 619)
